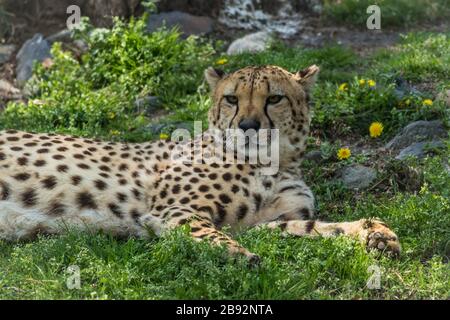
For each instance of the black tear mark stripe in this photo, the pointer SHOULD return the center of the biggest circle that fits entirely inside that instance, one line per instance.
(266, 112)
(235, 114)
(237, 106)
(219, 111)
(266, 107)
(252, 84)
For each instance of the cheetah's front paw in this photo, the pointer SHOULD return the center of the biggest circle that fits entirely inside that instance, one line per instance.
(377, 235)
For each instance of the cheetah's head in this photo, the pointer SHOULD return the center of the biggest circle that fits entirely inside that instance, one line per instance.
(267, 97)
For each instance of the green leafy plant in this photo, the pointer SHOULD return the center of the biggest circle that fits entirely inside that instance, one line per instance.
(394, 13)
(95, 96)
(418, 57)
(353, 106)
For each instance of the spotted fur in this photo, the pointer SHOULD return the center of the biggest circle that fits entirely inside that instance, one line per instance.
(49, 182)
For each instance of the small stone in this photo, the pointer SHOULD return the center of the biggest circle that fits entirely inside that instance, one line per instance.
(188, 24)
(314, 155)
(357, 176)
(404, 89)
(6, 52)
(445, 97)
(317, 9)
(8, 88)
(253, 42)
(34, 49)
(148, 105)
(419, 149)
(417, 131)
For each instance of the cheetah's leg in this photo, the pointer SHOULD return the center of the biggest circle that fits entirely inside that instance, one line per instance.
(200, 225)
(373, 233)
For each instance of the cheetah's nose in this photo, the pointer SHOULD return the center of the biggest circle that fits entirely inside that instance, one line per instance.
(247, 124)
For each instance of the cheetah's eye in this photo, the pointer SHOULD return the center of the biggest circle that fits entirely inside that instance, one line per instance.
(274, 99)
(231, 99)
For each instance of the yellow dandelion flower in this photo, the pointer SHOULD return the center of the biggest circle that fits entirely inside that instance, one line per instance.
(343, 153)
(343, 87)
(375, 129)
(164, 136)
(427, 102)
(362, 82)
(222, 61)
(371, 83)
(114, 132)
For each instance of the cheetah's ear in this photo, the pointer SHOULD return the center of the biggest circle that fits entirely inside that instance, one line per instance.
(307, 77)
(212, 76)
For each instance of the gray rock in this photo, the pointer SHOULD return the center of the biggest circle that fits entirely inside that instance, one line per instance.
(61, 36)
(445, 97)
(417, 131)
(404, 89)
(253, 42)
(282, 17)
(314, 155)
(419, 149)
(357, 176)
(6, 52)
(34, 49)
(188, 24)
(148, 105)
(210, 8)
(317, 8)
(157, 128)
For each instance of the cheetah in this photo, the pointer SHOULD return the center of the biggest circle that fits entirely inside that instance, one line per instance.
(50, 182)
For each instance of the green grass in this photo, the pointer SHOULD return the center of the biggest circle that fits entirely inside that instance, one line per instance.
(394, 13)
(175, 267)
(93, 96)
(419, 57)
